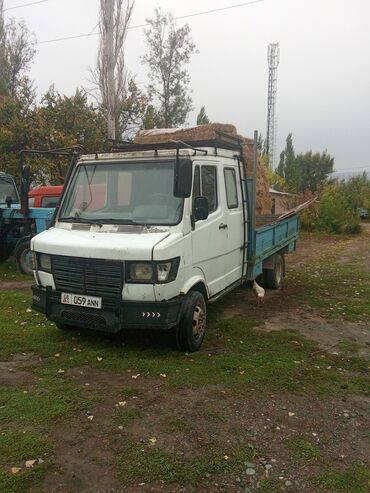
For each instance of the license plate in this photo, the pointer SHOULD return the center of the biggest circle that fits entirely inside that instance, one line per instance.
(80, 300)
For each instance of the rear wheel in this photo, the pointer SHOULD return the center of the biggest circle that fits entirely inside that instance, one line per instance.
(192, 327)
(273, 278)
(23, 257)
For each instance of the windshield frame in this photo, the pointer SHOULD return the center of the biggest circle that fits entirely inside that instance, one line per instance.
(118, 222)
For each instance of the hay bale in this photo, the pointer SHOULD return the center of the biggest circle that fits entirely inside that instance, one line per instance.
(210, 132)
(202, 132)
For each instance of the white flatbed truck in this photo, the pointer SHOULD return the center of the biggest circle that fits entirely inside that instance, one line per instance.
(171, 228)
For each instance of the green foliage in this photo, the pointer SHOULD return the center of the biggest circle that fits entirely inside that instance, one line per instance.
(169, 51)
(202, 118)
(336, 213)
(314, 168)
(59, 121)
(288, 166)
(303, 171)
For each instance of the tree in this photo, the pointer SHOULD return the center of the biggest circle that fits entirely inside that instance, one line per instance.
(169, 51)
(16, 54)
(202, 118)
(288, 167)
(314, 168)
(111, 74)
(62, 121)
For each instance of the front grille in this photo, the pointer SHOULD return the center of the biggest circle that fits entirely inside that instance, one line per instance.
(95, 277)
(90, 320)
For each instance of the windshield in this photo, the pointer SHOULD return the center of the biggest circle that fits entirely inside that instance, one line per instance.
(7, 189)
(128, 193)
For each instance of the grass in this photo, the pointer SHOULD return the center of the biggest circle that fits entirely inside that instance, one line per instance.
(9, 272)
(237, 360)
(145, 463)
(340, 288)
(303, 449)
(355, 479)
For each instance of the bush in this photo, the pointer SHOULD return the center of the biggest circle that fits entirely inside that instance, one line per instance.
(336, 212)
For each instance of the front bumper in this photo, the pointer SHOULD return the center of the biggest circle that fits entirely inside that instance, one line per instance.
(114, 315)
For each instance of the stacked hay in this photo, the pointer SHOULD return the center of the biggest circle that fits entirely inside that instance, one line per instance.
(210, 132)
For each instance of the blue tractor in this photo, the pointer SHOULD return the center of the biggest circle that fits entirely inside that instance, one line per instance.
(19, 222)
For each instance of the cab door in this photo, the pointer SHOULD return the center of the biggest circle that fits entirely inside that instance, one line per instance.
(210, 237)
(233, 216)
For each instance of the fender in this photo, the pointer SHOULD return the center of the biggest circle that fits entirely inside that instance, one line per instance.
(196, 276)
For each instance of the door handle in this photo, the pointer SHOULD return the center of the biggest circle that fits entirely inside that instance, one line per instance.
(222, 226)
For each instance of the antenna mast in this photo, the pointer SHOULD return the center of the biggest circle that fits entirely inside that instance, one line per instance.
(273, 53)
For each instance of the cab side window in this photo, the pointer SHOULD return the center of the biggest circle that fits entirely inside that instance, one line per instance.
(209, 186)
(205, 184)
(231, 190)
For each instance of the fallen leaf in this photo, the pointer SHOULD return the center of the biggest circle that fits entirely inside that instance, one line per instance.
(29, 310)
(122, 403)
(61, 370)
(163, 375)
(56, 355)
(242, 372)
(152, 440)
(291, 414)
(99, 358)
(91, 417)
(226, 457)
(31, 463)
(135, 376)
(15, 470)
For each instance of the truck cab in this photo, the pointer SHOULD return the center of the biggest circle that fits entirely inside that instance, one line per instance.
(143, 239)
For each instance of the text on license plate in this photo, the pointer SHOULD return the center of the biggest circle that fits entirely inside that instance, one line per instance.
(80, 300)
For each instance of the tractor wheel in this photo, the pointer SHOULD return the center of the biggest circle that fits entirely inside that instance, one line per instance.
(23, 257)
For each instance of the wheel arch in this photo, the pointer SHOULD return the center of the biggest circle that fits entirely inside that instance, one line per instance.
(196, 283)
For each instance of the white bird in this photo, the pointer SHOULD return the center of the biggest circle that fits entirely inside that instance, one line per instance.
(259, 292)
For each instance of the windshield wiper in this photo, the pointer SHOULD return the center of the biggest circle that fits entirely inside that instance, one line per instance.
(71, 219)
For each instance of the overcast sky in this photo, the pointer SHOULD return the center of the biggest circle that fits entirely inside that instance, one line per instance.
(323, 93)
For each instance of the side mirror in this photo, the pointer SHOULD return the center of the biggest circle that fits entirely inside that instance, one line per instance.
(8, 201)
(183, 178)
(200, 208)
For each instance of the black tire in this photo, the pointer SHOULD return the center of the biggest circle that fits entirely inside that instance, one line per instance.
(23, 257)
(192, 327)
(273, 278)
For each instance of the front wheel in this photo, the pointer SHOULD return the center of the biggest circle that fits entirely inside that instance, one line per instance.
(192, 327)
(23, 257)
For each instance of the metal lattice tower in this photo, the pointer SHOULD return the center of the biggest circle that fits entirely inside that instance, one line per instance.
(273, 53)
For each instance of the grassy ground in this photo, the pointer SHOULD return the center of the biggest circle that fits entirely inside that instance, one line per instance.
(130, 413)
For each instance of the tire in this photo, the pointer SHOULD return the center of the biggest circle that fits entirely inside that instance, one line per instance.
(23, 257)
(273, 278)
(192, 327)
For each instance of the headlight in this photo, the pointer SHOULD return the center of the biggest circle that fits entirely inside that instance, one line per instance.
(140, 272)
(163, 271)
(44, 262)
(152, 272)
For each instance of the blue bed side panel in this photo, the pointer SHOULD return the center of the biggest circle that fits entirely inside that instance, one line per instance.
(270, 239)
